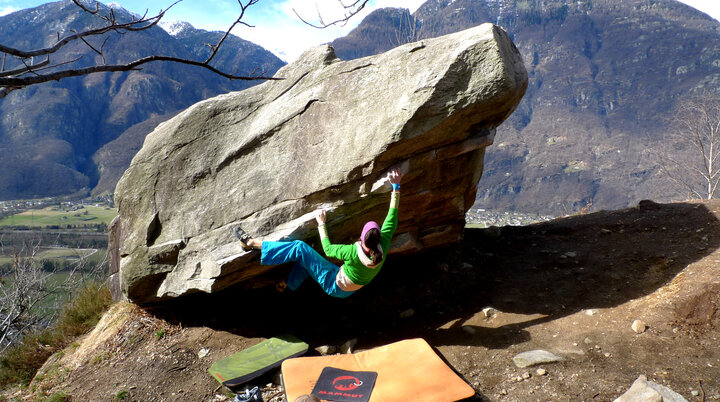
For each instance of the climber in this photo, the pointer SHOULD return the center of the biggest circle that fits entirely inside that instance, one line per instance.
(362, 260)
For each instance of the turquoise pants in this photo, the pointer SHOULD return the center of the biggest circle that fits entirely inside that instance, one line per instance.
(308, 262)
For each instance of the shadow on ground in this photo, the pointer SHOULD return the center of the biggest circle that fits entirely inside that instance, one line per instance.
(551, 269)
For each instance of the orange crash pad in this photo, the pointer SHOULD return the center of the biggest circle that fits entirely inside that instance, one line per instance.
(408, 370)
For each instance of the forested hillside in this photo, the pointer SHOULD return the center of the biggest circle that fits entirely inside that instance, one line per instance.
(605, 77)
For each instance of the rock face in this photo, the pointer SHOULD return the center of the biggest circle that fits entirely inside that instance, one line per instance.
(322, 137)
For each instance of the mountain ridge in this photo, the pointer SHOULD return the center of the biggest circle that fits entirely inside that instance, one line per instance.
(604, 77)
(59, 126)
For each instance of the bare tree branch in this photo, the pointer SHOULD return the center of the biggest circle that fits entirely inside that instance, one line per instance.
(243, 7)
(24, 69)
(409, 29)
(30, 300)
(134, 25)
(32, 73)
(24, 81)
(351, 9)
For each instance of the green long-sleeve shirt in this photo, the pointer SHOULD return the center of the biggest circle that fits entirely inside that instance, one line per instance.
(353, 267)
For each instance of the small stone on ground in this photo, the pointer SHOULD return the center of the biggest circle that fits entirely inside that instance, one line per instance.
(639, 326)
(533, 357)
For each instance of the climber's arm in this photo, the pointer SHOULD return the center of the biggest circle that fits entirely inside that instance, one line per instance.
(339, 251)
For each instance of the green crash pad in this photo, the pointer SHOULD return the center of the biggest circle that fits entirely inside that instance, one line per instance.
(255, 361)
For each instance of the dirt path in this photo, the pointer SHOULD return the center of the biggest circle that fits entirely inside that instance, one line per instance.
(571, 286)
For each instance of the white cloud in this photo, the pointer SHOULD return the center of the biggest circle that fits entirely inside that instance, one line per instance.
(287, 43)
(7, 10)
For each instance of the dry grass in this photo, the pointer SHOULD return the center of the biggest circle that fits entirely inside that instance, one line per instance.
(20, 362)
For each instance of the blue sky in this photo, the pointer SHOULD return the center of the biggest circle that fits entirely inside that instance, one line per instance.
(276, 26)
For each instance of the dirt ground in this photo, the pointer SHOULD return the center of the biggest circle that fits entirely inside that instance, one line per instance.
(572, 286)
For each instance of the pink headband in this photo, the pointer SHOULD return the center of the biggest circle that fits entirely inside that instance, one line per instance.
(367, 227)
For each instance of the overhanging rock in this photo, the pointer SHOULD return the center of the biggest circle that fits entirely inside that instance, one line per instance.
(325, 136)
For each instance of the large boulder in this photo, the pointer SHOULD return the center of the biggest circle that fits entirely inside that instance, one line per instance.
(323, 136)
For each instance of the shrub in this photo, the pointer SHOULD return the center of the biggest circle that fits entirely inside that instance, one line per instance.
(20, 362)
(84, 309)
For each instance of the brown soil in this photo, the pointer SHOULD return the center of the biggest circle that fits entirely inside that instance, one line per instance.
(572, 286)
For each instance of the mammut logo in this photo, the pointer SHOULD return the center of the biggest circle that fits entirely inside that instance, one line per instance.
(344, 386)
(346, 383)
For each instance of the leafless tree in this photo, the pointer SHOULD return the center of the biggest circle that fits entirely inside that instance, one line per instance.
(689, 156)
(42, 65)
(409, 30)
(29, 294)
(350, 8)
